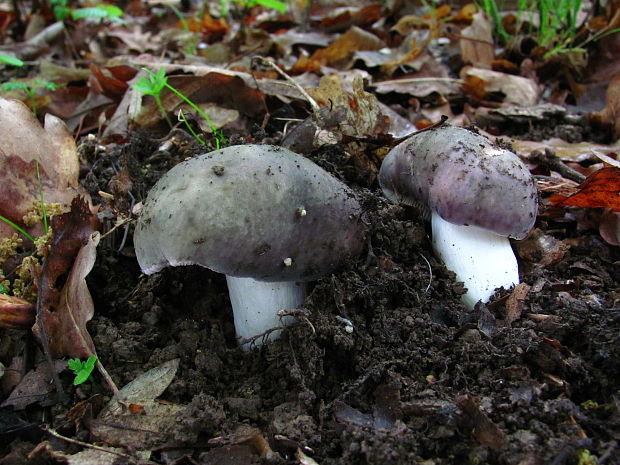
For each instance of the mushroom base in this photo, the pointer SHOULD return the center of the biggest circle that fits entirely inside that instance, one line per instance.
(256, 305)
(483, 260)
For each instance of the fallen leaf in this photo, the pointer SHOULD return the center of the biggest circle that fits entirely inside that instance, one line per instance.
(609, 227)
(150, 426)
(16, 313)
(564, 150)
(23, 143)
(144, 389)
(600, 190)
(66, 311)
(362, 113)
(339, 52)
(35, 386)
(110, 86)
(514, 303)
(482, 83)
(358, 17)
(476, 42)
(478, 424)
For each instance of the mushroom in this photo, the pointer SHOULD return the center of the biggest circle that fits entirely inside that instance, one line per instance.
(478, 194)
(267, 218)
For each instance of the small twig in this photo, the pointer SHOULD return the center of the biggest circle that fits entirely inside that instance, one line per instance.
(551, 161)
(108, 379)
(311, 101)
(420, 80)
(90, 446)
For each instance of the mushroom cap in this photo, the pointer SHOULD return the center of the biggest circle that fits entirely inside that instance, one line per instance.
(464, 178)
(256, 211)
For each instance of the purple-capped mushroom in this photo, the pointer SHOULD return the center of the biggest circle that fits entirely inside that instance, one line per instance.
(267, 218)
(478, 194)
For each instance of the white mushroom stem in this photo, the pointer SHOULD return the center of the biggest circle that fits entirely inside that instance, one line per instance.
(481, 259)
(256, 305)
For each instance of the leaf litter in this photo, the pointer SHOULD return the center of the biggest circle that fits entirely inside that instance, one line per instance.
(412, 377)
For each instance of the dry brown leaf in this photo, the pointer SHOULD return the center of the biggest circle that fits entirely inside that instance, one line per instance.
(476, 42)
(514, 89)
(65, 312)
(609, 228)
(154, 423)
(600, 190)
(564, 150)
(23, 142)
(338, 53)
(35, 386)
(16, 313)
(514, 303)
(52, 145)
(362, 112)
(479, 425)
(226, 90)
(144, 389)
(360, 17)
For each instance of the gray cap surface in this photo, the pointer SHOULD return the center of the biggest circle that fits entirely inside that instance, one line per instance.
(255, 211)
(464, 178)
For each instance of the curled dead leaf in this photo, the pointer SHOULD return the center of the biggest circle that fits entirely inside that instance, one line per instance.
(16, 313)
(600, 190)
(66, 311)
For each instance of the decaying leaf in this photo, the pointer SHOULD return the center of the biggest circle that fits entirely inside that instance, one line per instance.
(601, 189)
(144, 389)
(52, 145)
(482, 83)
(515, 303)
(340, 51)
(16, 313)
(154, 423)
(341, 113)
(478, 424)
(35, 386)
(23, 142)
(477, 42)
(361, 109)
(609, 228)
(66, 311)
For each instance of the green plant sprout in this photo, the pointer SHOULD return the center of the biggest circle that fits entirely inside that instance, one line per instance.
(156, 83)
(30, 89)
(10, 60)
(181, 117)
(153, 85)
(62, 10)
(277, 5)
(190, 47)
(558, 28)
(82, 370)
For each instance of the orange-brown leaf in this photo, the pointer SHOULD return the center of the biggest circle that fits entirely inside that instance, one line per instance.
(16, 313)
(600, 190)
(66, 311)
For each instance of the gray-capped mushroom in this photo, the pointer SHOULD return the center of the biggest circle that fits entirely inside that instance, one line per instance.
(479, 194)
(267, 218)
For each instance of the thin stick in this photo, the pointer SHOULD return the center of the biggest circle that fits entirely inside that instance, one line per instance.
(108, 379)
(89, 446)
(311, 101)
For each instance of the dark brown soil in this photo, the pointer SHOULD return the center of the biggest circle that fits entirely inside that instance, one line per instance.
(419, 379)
